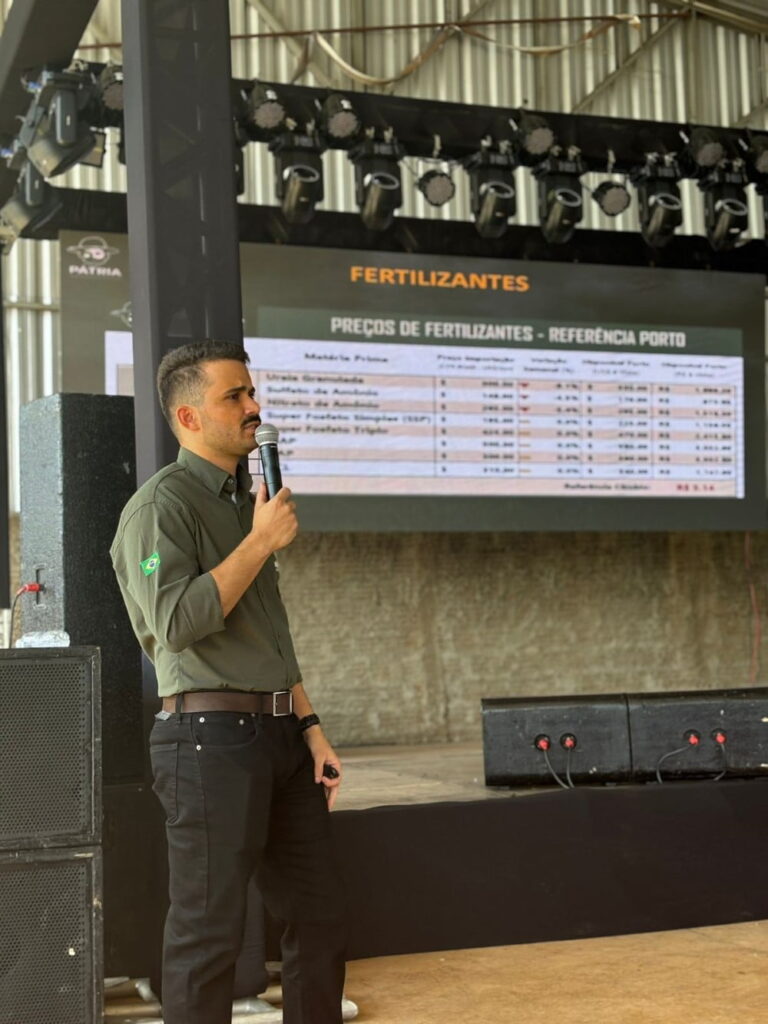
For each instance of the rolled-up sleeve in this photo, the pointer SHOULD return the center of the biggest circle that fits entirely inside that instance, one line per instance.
(155, 559)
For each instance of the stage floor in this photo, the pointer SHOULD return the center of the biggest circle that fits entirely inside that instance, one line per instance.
(704, 975)
(428, 774)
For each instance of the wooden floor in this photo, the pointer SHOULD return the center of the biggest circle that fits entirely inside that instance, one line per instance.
(376, 776)
(697, 976)
(702, 976)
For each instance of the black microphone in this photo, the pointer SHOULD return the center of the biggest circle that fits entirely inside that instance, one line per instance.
(266, 438)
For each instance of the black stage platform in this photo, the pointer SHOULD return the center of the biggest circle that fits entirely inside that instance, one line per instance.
(450, 864)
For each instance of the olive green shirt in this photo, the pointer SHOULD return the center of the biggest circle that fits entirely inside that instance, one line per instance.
(179, 525)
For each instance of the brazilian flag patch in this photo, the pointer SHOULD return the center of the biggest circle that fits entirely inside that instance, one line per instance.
(149, 565)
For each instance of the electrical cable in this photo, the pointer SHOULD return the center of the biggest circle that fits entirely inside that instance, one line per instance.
(725, 762)
(25, 588)
(671, 753)
(568, 752)
(552, 771)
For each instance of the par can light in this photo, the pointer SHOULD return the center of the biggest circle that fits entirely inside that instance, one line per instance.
(612, 197)
(265, 111)
(437, 187)
(705, 148)
(338, 119)
(534, 135)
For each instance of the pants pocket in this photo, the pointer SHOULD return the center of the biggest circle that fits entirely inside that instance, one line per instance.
(165, 769)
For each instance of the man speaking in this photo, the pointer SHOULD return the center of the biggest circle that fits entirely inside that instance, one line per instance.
(240, 762)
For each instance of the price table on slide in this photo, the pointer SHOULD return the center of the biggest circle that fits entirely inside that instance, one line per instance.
(395, 418)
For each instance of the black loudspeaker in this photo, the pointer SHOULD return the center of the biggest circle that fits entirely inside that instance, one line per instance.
(50, 749)
(77, 472)
(520, 734)
(623, 738)
(676, 734)
(51, 961)
(50, 936)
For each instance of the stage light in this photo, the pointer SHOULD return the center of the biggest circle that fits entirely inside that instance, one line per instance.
(726, 214)
(32, 204)
(55, 132)
(264, 109)
(705, 148)
(534, 135)
(612, 197)
(378, 186)
(561, 205)
(110, 86)
(759, 153)
(492, 190)
(658, 198)
(338, 118)
(437, 187)
(298, 175)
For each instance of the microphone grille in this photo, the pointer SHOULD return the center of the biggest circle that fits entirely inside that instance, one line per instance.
(266, 434)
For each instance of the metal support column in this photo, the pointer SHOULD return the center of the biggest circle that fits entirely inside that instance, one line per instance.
(182, 218)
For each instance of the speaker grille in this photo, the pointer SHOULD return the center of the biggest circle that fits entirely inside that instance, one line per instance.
(47, 705)
(50, 938)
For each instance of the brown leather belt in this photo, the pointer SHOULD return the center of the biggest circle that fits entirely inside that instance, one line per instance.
(278, 703)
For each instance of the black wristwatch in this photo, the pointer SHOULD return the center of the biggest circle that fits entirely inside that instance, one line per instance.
(307, 722)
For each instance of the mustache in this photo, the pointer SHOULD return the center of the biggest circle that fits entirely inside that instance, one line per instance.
(253, 419)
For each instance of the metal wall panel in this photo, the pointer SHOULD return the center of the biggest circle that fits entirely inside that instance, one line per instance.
(694, 70)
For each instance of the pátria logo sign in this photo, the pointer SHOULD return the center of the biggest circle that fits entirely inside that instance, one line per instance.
(93, 254)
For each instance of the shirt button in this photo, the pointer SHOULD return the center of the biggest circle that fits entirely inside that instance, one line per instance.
(201, 719)
(198, 747)
(242, 721)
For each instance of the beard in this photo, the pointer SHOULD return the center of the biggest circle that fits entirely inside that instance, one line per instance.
(226, 439)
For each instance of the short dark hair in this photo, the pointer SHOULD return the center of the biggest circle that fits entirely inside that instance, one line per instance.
(180, 375)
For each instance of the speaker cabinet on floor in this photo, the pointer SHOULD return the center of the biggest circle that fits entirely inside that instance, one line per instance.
(50, 938)
(513, 725)
(51, 961)
(690, 723)
(50, 749)
(625, 737)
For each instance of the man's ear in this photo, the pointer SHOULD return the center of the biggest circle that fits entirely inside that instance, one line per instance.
(187, 417)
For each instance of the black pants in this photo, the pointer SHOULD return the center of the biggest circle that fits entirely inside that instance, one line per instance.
(240, 797)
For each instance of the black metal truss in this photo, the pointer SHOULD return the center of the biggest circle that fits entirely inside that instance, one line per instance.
(106, 211)
(184, 259)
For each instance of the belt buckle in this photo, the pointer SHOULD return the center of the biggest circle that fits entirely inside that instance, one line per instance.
(281, 714)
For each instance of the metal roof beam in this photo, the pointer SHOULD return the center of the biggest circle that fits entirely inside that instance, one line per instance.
(733, 15)
(624, 67)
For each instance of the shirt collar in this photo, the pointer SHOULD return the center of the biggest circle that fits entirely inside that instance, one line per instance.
(214, 478)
